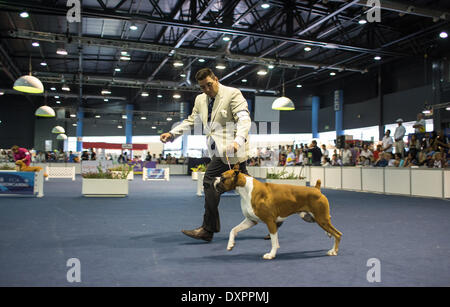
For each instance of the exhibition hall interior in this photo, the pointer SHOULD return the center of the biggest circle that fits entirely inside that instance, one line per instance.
(212, 143)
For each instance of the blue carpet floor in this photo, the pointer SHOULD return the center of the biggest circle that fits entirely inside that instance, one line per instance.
(136, 241)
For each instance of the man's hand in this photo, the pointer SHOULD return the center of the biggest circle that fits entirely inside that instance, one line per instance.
(233, 148)
(166, 137)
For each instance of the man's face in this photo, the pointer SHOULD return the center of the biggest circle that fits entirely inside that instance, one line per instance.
(209, 86)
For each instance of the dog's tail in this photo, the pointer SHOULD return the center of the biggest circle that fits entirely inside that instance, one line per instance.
(318, 183)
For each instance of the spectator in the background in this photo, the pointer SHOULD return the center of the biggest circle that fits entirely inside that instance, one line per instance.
(316, 154)
(399, 133)
(290, 159)
(410, 160)
(376, 153)
(383, 161)
(439, 161)
(347, 156)
(335, 161)
(325, 152)
(419, 125)
(366, 153)
(387, 142)
(413, 146)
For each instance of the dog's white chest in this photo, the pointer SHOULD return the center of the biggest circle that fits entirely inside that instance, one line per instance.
(246, 200)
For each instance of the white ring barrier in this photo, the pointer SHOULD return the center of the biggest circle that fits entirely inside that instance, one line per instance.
(60, 172)
(17, 183)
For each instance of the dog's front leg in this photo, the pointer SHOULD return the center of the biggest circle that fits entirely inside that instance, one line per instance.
(274, 239)
(245, 224)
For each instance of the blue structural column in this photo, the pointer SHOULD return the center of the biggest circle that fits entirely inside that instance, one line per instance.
(315, 116)
(80, 118)
(338, 108)
(129, 127)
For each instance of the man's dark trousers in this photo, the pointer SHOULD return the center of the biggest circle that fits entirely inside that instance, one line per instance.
(211, 219)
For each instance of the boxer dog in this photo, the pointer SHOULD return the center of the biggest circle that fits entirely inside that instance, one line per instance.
(271, 203)
(22, 167)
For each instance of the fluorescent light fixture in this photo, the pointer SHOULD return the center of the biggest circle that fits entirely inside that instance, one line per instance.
(53, 88)
(362, 21)
(299, 85)
(125, 58)
(106, 100)
(124, 53)
(43, 64)
(426, 112)
(56, 97)
(271, 66)
(97, 116)
(244, 80)
(220, 66)
(226, 38)
(117, 69)
(178, 63)
(159, 96)
(447, 108)
(443, 34)
(143, 117)
(119, 126)
(262, 72)
(265, 5)
(153, 127)
(332, 73)
(65, 88)
(29, 84)
(74, 125)
(73, 115)
(201, 60)
(176, 96)
(307, 49)
(133, 27)
(24, 15)
(144, 94)
(106, 92)
(124, 117)
(61, 51)
(183, 75)
(2, 93)
(283, 104)
(45, 111)
(169, 119)
(377, 58)
(58, 102)
(35, 44)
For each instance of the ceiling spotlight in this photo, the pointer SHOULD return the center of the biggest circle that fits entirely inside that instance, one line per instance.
(43, 64)
(307, 49)
(124, 117)
(53, 88)
(74, 125)
(117, 69)
(265, 5)
(169, 119)
(56, 97)
(124, 53)
(97, 116)
(106, 92)
(61, 52)
(299, 85)
(447, 108)
(226, 38)
(35, 44)
(73, 115)
(183, 75)
(332, 73)
(153, 127)
(106, 100)
(119, 126)
(201, 60)
(58, 102)
(176, 96)
(362, 21)
(2, 93)
(144, 94)
(125, 58)
(24, 15)
(377, 58)
(65, 88)
(133, 27)
(178, 63)
(244, 80)
(271, 66)
(443, 34)
(143, 117)
(159, 96)
(262, 72)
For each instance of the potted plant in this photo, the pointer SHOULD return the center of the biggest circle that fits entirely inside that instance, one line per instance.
(122, 170)
(285, 177)
(105, 184)
(198, 170)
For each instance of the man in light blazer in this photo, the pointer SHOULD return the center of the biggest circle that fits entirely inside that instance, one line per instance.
(226, 120)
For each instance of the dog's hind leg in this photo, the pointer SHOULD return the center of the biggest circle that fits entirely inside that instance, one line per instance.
(245, 224)
(329, 228)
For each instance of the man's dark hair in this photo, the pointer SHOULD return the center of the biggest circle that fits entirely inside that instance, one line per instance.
(204, 73)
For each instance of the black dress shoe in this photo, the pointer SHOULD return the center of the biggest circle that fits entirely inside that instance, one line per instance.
(199, 234)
